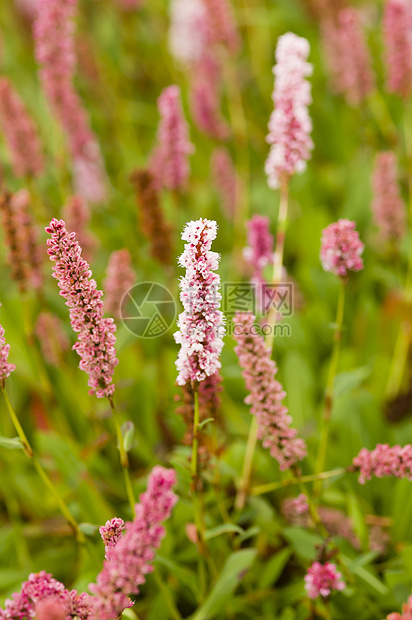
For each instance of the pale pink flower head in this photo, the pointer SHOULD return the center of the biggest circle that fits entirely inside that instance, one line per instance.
(397, 34)
(356, 74)
(5, 367)
(384, 460)
(131, 558)
(323, 580)
(388, 208)
(190, 31)
(96, 340)
(20, 133)
(341, 248)
(201, 322)
(290, 124)
(169, 162)
(120, 277)
(266, 394)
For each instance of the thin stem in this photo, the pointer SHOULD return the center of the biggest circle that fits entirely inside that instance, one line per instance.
(278, 256)
(271, 320)
(195, 442)
(124, 458)
(378, 108)
(327, 412)
(29, 452)
(281, 484)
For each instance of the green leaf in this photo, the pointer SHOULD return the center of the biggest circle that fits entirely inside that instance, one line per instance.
(9, 443)
(225, 528)
(303, 542)
(202, 424)
(350, 380)
(273, 569)
(128, 432)
(236, 567)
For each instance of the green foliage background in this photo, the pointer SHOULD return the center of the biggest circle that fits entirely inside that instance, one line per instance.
(123, 67)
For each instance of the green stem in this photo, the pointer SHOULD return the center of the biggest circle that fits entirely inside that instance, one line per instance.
(327, 412)
(29, 452)
(124, 458)
(281, 484)
(278, 256)
(380, 112)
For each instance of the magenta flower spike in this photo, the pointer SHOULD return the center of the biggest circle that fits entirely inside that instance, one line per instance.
(96, 340)
(170, 164)
(55, 52)
(341, 248)
(290, 124)
(201, 324)
(129, 561)
(266, 394)
(20, 133)
(5, 367)
(388, 208)
(384, 460)
(323, 580)
(397, 28)
(120, 277)
(259, 252)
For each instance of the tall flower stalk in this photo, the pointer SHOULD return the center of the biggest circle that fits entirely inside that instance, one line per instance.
(200, 329)
(96, 334)
(289, 136)
(340, 253)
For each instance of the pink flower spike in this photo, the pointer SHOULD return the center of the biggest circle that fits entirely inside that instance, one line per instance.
(54, 31)
(96, 340)
(169, 164)
(190, 31)
(5, 367)
(76, 214)
(341, 248)
(266, 394)
(222, 24)
(20, 133)
(201, 324)
(397, 34)
(357, 77)
(322, 580)
(111, 533)
(384, 460)
(131, 559)
(120, 277)
(290, 124)
(388, 208)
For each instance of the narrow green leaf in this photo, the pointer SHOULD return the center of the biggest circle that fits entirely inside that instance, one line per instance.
(225, 528)
(11, 443)
(273, 569)
(236, 567)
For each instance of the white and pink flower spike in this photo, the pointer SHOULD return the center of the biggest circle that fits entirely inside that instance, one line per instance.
(201, 324)
(290, 124)
(341, 248)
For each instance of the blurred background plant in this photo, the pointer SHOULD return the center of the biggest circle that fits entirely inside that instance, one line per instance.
(257, 554)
